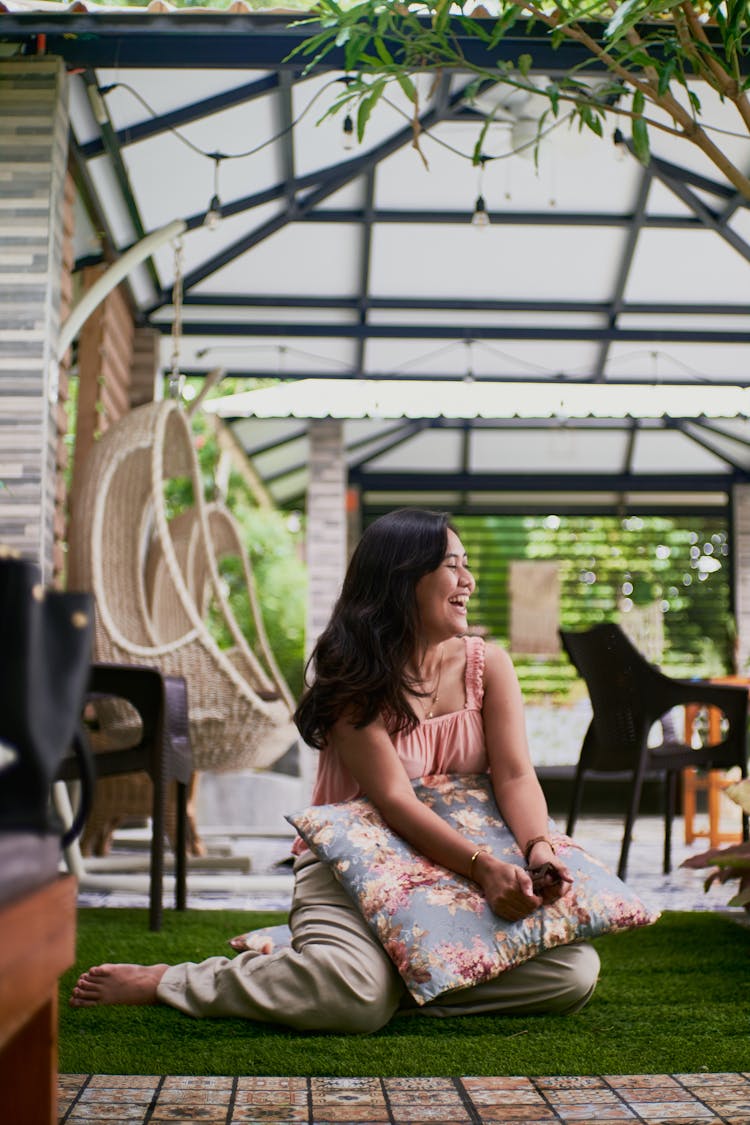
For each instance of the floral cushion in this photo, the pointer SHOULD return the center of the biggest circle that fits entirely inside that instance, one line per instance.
(435, 925)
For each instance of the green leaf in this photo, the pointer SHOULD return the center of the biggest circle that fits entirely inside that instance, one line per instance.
(524, 65)
(590, 119)
(367, 105)
(442, 15)
(355, 49)
(640, 140)
(475, 28)
(665, 76)
(382, 50)
(624, 17)
(503, 24)
(408, 87)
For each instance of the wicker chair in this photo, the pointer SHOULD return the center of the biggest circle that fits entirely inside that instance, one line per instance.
(153, 580)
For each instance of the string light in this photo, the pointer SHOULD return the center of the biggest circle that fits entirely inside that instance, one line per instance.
(480, 219)
(469, 376)
(213, 214)
(348, 130)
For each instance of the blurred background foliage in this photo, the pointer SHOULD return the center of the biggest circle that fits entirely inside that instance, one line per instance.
(274, 541)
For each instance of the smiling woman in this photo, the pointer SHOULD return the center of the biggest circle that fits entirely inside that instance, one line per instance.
(399, 691)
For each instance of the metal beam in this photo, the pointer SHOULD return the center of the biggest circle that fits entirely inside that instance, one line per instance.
(248, 41)
(460, 304)
(364, 270)
(545, 482)
(690, 178)
(119, 170)
(623, 273)
(401, 434)
(627, 461)
(704, 443)
(267, 446)
(434, 217)
(709, 218)
(704, 424)
(561, 507)
(392, 439)
(87, 191)
(312, 329)
(508, 218)
(389, 376)
(286, 141)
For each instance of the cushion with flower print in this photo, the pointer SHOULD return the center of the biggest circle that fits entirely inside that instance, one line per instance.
(435, 925)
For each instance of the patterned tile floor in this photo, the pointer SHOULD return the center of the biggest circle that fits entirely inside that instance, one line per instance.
(654, 1099)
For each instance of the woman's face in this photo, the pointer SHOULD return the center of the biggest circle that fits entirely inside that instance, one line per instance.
(442, 594)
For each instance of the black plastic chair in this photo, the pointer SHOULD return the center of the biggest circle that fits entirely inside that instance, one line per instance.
(162, 749)
(628, 696)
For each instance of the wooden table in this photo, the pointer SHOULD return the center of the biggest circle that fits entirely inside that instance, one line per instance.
(37, 944)
(711, 782)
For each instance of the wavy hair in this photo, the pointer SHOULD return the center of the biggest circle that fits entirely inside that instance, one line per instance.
(361, 657)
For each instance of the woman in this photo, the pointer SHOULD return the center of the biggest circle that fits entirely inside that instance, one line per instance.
(399, 691)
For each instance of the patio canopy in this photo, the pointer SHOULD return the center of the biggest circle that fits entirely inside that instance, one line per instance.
(307, 260)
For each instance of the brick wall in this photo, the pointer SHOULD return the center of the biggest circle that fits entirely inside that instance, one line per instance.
(326, 523)
(741, 546)
(33, 157)
(105, 352)
(62, 456)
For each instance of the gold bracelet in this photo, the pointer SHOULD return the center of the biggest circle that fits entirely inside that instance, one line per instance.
(532, 842)
(481, 850)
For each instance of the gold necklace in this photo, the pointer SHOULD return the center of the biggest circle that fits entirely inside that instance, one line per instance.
(434, 694)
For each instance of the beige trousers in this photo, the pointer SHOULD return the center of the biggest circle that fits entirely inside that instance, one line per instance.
(336, 977)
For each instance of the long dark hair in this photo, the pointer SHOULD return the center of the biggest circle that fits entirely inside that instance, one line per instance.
(360, 658)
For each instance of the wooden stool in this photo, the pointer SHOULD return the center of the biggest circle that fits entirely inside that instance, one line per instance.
(712, 782)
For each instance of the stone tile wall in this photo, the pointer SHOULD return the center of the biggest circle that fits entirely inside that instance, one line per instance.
(33, 160)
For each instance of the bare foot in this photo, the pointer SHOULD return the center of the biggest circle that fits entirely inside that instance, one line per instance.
(117, 984)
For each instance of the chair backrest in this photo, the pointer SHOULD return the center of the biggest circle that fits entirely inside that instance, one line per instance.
(624, 692)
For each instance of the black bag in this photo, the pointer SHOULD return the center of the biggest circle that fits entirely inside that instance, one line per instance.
(45, 659)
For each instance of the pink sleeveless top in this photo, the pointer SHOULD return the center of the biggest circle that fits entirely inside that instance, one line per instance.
(452, 743)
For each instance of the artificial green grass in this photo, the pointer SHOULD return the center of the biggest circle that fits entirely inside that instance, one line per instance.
(672, 998)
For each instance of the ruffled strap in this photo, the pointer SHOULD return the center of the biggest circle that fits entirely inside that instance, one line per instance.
(474, 672)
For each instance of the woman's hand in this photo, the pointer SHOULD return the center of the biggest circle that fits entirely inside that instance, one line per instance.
(551, 880)
(507, 887)
(510, 890)
(550, 877)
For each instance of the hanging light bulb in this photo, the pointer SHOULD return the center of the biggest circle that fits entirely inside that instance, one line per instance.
(213, 215)
(480, 219)
(469, 376)
(621, 147)
(212, 218)
(348, 130)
